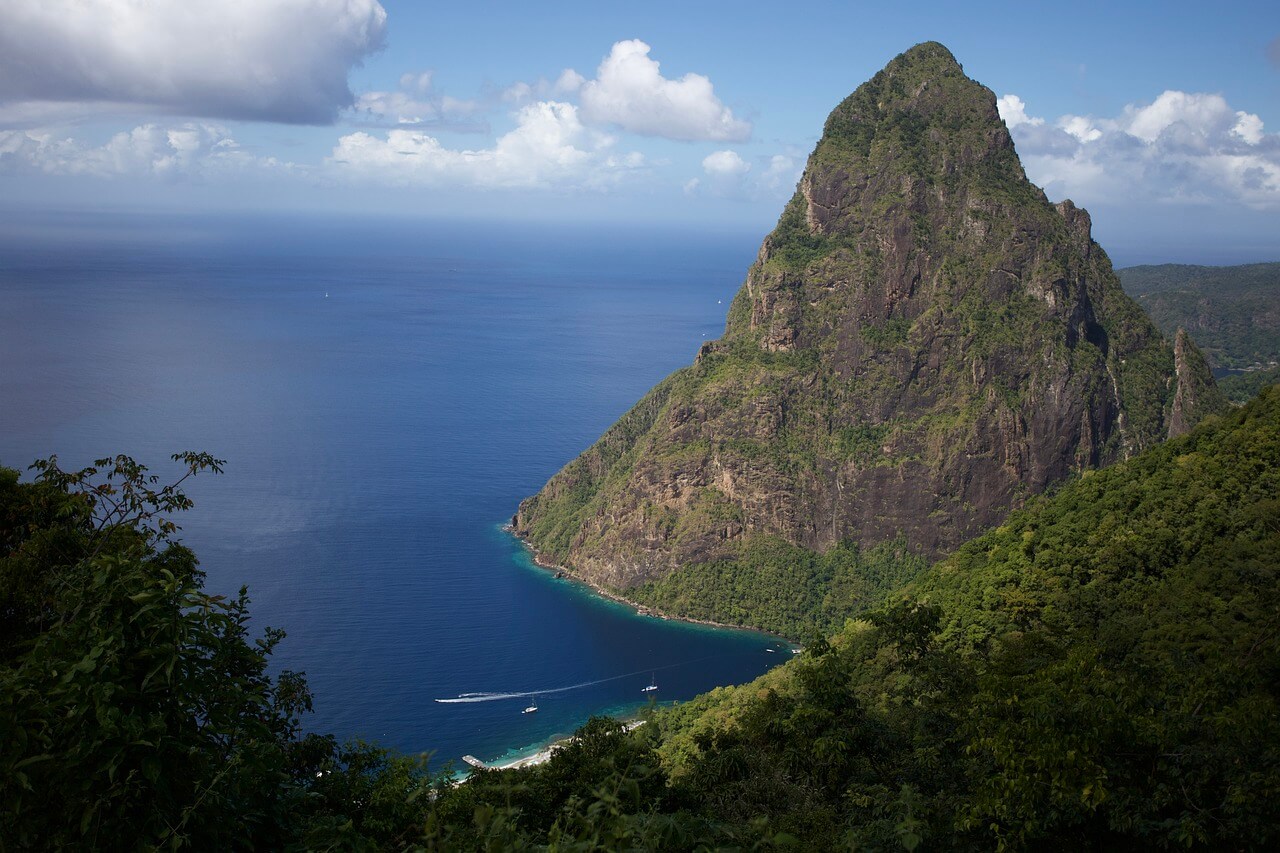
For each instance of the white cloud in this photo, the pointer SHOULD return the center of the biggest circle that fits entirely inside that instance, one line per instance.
(725, 164)
(1014, 112)
(1079, 127)
(1181, 147)
(274, 60)
(569, 81)
(781, 174)
(416, 103)
(1248, 127)
(190, 150)
(630, 92)
(1200, 114)
(549, 147)
(518, 92)
(727, 175)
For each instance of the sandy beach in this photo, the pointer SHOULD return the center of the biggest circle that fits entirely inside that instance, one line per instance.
(545, 754)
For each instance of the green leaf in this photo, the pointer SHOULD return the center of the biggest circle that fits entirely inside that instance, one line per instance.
(32, 760)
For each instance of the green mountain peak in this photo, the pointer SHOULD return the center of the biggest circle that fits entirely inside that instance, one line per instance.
(923, 341)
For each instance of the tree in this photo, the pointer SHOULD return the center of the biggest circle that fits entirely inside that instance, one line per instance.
(136, 708)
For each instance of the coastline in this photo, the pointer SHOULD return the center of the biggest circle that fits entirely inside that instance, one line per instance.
(545, 752)
(641, 609)
(543, 755)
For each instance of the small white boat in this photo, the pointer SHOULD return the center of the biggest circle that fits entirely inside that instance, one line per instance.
(653, 685)
(532, 708)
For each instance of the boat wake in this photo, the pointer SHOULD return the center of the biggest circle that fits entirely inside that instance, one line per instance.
(466, 698)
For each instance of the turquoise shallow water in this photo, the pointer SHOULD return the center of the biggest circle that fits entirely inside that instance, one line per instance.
(385, 393)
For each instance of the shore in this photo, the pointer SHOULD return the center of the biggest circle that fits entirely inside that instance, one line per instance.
(641, 609)
(543, 755)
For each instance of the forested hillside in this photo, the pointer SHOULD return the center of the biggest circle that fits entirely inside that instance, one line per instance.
(1099, 671)
(1232, 313)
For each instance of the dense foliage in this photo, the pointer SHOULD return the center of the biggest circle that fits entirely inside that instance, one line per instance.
(1103, 670)
(136, 710)
(783, 588)
(1232, 313)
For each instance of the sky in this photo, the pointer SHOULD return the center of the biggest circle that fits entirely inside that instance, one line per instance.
(1163, 119)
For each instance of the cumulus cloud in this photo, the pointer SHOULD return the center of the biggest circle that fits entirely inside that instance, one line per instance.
(1180, 147)
(549, 147)
(728, 175)
(1014, 112)
(1194, 113)
(1080, 127)
(193, 149)
(1248, 127)
(417, 103)
(569, 81)
(725, 164)
(273, 60)
(630, 92)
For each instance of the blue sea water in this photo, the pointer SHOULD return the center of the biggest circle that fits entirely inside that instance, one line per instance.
(385, 393)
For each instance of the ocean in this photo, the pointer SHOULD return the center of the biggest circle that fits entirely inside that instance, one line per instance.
(385, 392)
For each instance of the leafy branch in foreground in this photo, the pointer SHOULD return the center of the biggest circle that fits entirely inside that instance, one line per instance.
(124, 496)
(135, 706)
(137, 709)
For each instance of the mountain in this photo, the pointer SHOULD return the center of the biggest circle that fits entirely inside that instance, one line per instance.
(922, 342)
(1233, 313)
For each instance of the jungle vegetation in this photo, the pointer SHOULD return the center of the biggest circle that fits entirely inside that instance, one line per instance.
(1101, 670)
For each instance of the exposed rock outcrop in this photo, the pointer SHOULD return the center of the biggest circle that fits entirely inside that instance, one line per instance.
(1194, 388)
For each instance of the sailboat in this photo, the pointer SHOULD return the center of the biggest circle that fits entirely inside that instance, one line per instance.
(532, 708)
(653, 685)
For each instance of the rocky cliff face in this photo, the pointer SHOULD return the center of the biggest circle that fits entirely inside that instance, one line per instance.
(1194, 389)
(923, 341)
